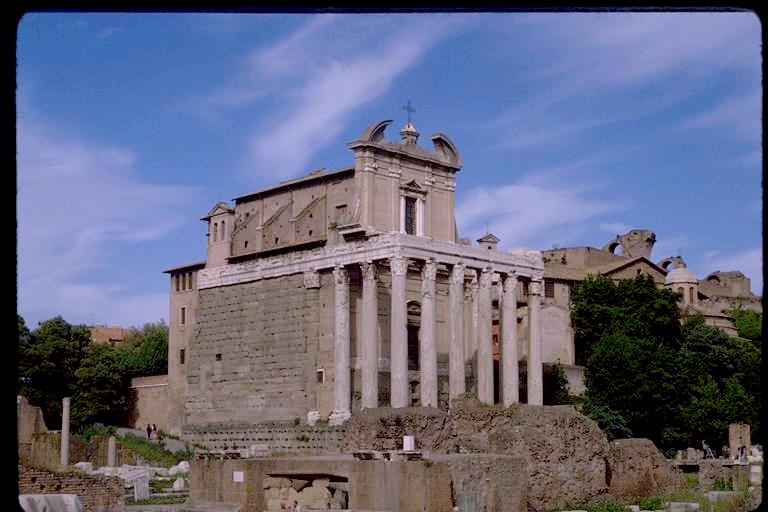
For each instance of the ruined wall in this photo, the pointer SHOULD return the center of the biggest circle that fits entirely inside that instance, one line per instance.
(30, 421)
(280, 437)
(712, 470)
(45, 451)
(97, 493)
(637, 468)
(488, 482)
(148, 402)
(253, 355)
(556, 335)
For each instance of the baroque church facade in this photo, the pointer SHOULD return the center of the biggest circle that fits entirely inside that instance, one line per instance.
(349, 289)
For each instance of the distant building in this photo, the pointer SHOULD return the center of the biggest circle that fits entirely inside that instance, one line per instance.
(104, 334)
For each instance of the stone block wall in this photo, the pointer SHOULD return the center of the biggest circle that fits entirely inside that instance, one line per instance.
(637, 468)
(281, 437)
(711, 470)
(253, 357)
(97, 493)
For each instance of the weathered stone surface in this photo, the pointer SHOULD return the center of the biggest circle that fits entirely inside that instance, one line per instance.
(491, 482)
(711, 470)
(563, 450)
(320, 482)
(339, 500)
(179, 484)
(50, 502)
(315, 498)
(383, 428)
(85, 466)
(272, 482)
(637, 468)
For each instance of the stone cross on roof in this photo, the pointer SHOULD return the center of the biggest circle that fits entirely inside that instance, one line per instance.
(409, 108)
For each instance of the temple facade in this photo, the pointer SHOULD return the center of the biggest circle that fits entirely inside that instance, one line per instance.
(348, 289)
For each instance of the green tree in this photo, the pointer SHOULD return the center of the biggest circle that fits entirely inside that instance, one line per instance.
(49, 356)
(102, 387)
(635, 307)
(146, 350)
(749, 324)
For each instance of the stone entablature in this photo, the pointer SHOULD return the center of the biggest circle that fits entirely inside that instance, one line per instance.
(523, 262)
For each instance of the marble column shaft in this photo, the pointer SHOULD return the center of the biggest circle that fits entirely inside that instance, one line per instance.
(510, 390)
(456, 357)
(485, 338)
(399, 390)
(370, 335)
(427, 342)
(535, 377)
(65, 432)
(341, 377)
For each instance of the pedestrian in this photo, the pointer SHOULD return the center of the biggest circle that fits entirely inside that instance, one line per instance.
(149, 432)
(154, 431)
(297, 507)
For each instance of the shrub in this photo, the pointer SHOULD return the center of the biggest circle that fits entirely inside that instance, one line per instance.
(652, 503)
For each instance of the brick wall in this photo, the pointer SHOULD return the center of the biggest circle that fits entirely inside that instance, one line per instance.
(97, 493)
(279, 436)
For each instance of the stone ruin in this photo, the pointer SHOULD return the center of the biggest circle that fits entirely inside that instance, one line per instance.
(313, 492)
(567, 457)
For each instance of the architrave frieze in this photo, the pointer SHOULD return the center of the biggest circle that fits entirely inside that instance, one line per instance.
(523, 262)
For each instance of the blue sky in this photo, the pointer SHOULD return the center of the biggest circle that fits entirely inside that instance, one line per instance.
(573, 128)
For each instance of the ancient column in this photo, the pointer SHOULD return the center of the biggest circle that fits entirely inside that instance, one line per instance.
(399, 334)
(510, 388)
(471, 297)
(370, 337)
(112, 452)
(535, 378)
(456, 377)
(65, 432)
(341, 377)
(427, 342)
(485, 338)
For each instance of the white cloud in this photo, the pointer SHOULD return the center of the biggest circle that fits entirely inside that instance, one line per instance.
(749, 262)
(615, 228)
(78, 203)
(314, 79)
(531, 215)
(740, 112)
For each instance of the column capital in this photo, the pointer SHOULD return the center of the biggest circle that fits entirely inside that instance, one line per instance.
(341, 275)
(311, 279)
(486, 277)
(429, 270)
(534, 288)
(510, 283)
(399, 265)
(457, 273)
(369, 270)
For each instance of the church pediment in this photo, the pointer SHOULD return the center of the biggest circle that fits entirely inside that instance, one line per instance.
(220, 208)
(413, 186)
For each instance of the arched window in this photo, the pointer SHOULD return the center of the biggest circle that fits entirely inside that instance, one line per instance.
(691, 294)
(681, 291)
(223, 231)
(215, 231)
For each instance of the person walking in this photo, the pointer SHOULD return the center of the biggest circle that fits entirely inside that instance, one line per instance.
(154, 432)
(149, 432)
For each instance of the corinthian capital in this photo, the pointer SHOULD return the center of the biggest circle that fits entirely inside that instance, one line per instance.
(340, 275)
(486, 278)
(399, 265)
(429, 270)
(368, 269)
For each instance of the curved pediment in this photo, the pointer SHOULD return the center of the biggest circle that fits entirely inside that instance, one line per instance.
(375, 132)
(445, 150)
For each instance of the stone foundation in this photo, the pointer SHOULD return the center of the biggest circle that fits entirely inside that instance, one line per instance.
(279, 436)
(97, 493)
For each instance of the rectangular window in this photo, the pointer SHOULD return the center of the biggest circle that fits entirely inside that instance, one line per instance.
(341, 212)
(178, 282)
(321, 376)
(191, 274)
(182, 354)
(410, 215)
(525, 288)
(549, 288)
(183, 316)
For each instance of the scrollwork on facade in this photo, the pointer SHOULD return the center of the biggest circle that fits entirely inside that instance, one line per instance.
(510, 283)
(450, 183)
(311, 279)
(430, 179)
(394, 170)
(398, 265)
(429, 270)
